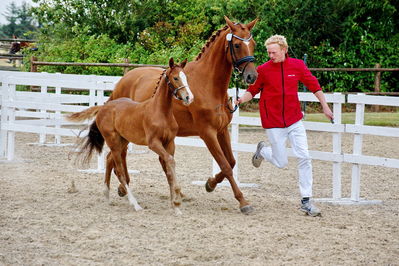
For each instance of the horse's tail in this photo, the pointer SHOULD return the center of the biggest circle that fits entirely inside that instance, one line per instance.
(85, 114)
(93, 141)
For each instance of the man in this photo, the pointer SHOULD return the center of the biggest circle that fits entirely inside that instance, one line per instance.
(281, 115)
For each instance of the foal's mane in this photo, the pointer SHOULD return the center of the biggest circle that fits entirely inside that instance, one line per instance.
(158, 82)
(210, 41)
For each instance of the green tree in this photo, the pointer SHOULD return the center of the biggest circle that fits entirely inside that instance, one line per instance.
(20, 22)
(343, 33)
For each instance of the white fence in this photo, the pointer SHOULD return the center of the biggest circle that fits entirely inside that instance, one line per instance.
(42, 112)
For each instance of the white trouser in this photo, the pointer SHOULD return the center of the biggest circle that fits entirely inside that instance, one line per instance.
(277, 153)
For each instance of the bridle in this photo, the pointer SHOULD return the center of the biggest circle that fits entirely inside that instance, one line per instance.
(237, 62)
(245, 59)
(175, 90)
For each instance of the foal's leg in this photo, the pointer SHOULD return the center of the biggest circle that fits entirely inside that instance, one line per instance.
(116, 151)
(164, 167)
(108, 171)
(110, 165)
(121, 190)
(168, 165)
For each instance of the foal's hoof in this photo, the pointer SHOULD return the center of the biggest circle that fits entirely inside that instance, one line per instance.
(247, 209)
(208, 187)
(121, 191)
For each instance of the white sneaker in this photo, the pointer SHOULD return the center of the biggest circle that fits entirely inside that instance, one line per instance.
(257, 157)
(310, 209)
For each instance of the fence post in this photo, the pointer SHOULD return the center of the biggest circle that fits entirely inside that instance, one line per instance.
(42, 136)
(357, 150)
(4, 119)
(377, 86)
(337, 149)
(126, 69)
(33, 67)
(58, 117)
(11, 120)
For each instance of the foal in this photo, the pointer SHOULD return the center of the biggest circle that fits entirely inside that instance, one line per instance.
(149, 123)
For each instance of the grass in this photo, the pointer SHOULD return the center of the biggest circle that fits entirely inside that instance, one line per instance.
(388, 119)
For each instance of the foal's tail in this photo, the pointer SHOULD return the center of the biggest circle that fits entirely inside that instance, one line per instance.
(94, 140)
(85, 114)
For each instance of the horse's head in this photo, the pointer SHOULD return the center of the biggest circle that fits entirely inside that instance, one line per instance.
(177, 82)
(240, 46)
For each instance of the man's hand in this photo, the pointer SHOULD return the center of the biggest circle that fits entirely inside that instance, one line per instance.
(328, 113)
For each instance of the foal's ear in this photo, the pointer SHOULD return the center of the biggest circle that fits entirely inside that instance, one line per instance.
(251, 24)
(229, 22)
(183, 64)
(171, 63)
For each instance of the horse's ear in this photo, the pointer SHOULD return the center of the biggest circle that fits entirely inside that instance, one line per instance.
(229, 23)
(171, 62)
(183, 64)
(251, 24)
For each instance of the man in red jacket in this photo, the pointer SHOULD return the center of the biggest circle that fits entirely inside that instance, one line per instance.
(281, 115)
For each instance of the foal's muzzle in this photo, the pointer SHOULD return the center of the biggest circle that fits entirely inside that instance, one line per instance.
(185, 97)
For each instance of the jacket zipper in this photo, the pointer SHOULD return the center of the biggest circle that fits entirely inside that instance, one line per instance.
(265, 105)
(282, 81)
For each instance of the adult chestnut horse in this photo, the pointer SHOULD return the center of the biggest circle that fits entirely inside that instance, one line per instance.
(150, 123)
(210, 114)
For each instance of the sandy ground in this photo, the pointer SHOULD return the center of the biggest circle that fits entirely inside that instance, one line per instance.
(43, 223)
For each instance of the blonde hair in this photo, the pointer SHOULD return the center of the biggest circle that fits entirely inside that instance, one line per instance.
(279, 39)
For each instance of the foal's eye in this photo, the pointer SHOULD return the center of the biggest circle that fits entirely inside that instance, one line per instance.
(175, 78)
(236, 46)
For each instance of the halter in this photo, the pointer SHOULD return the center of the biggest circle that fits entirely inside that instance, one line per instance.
(175, 90)
(238, 62)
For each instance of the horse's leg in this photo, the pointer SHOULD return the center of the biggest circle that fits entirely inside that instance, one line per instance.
(108, 171)
(225, 145)
(209, 136)
(168, 165)
(121, 190)
(124, 154)
(116, 151)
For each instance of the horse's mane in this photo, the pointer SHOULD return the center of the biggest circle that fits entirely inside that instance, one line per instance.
(158, 82)
(211, 40)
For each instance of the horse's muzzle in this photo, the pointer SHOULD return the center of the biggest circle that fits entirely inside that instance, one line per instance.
(250, 78)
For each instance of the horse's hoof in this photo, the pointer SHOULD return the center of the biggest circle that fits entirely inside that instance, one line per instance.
(208, 187)
(247, 209)
(121, 192)
(178, 212)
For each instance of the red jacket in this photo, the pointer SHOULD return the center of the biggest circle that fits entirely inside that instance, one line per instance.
(279, 105)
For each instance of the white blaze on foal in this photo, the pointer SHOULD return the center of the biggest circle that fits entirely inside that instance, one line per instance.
(185, 83)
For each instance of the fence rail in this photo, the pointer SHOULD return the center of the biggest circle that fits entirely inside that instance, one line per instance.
(34, 62)
(377, 69)
(42, 113)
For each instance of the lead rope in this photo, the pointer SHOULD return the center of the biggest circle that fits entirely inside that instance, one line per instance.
(237, 73)
(235, 78)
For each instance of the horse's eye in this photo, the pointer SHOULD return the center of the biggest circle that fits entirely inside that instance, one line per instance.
(175, 78)
(236, 46)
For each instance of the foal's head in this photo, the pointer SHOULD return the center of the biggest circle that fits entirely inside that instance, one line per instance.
(177, 82)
